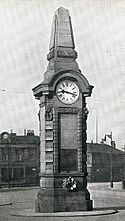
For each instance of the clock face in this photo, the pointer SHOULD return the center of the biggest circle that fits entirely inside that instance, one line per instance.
(5, 136)
(67, 91)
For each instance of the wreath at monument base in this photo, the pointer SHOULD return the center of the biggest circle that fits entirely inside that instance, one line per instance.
(69, 184)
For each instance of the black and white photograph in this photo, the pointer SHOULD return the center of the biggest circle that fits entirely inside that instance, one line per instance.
(62, 110)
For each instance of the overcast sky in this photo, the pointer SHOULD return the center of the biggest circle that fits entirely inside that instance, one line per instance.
(99, 33)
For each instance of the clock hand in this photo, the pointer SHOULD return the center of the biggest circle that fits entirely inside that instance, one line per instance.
(70, 93)
(62, 91)
(67, 92)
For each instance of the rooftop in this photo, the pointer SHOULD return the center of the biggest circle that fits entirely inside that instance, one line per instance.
(103, 148)
(28, 138)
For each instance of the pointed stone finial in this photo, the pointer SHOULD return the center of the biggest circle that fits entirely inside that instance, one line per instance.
(61, 34)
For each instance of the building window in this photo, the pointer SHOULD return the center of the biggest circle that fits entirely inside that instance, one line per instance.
(89, 159)
(31, 154)
(4, 175)
(18, 172)
(19, 157)
(31, 171)
(4, 154)
(4, 157)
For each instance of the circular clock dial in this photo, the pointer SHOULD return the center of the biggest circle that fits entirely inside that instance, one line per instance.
(67, 91)
(5, 135)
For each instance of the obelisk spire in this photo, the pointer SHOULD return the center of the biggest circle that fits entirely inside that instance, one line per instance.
(62, 35)
(61, 41)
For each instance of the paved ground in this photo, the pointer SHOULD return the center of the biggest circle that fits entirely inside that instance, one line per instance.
(104, 198)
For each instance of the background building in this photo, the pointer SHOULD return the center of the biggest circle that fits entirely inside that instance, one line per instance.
(19, 159)
(20, 156)
(99, 163)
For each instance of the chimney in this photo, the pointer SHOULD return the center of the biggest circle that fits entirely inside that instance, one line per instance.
(30, 132)
(113, 144)
(24, 132)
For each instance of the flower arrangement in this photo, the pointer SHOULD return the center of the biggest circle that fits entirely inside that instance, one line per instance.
(69, 184)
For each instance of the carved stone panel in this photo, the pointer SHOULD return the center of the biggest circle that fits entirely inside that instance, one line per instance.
(49, 113)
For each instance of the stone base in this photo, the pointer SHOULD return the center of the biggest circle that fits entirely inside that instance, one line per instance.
(58, 200)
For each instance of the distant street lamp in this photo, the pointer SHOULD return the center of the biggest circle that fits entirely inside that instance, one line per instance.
(123, 179)
(111, 166)
(5, 138)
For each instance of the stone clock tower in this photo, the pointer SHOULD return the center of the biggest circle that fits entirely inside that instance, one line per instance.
(62, 119)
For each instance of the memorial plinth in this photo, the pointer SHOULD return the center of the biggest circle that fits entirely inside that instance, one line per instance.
(63, 123)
